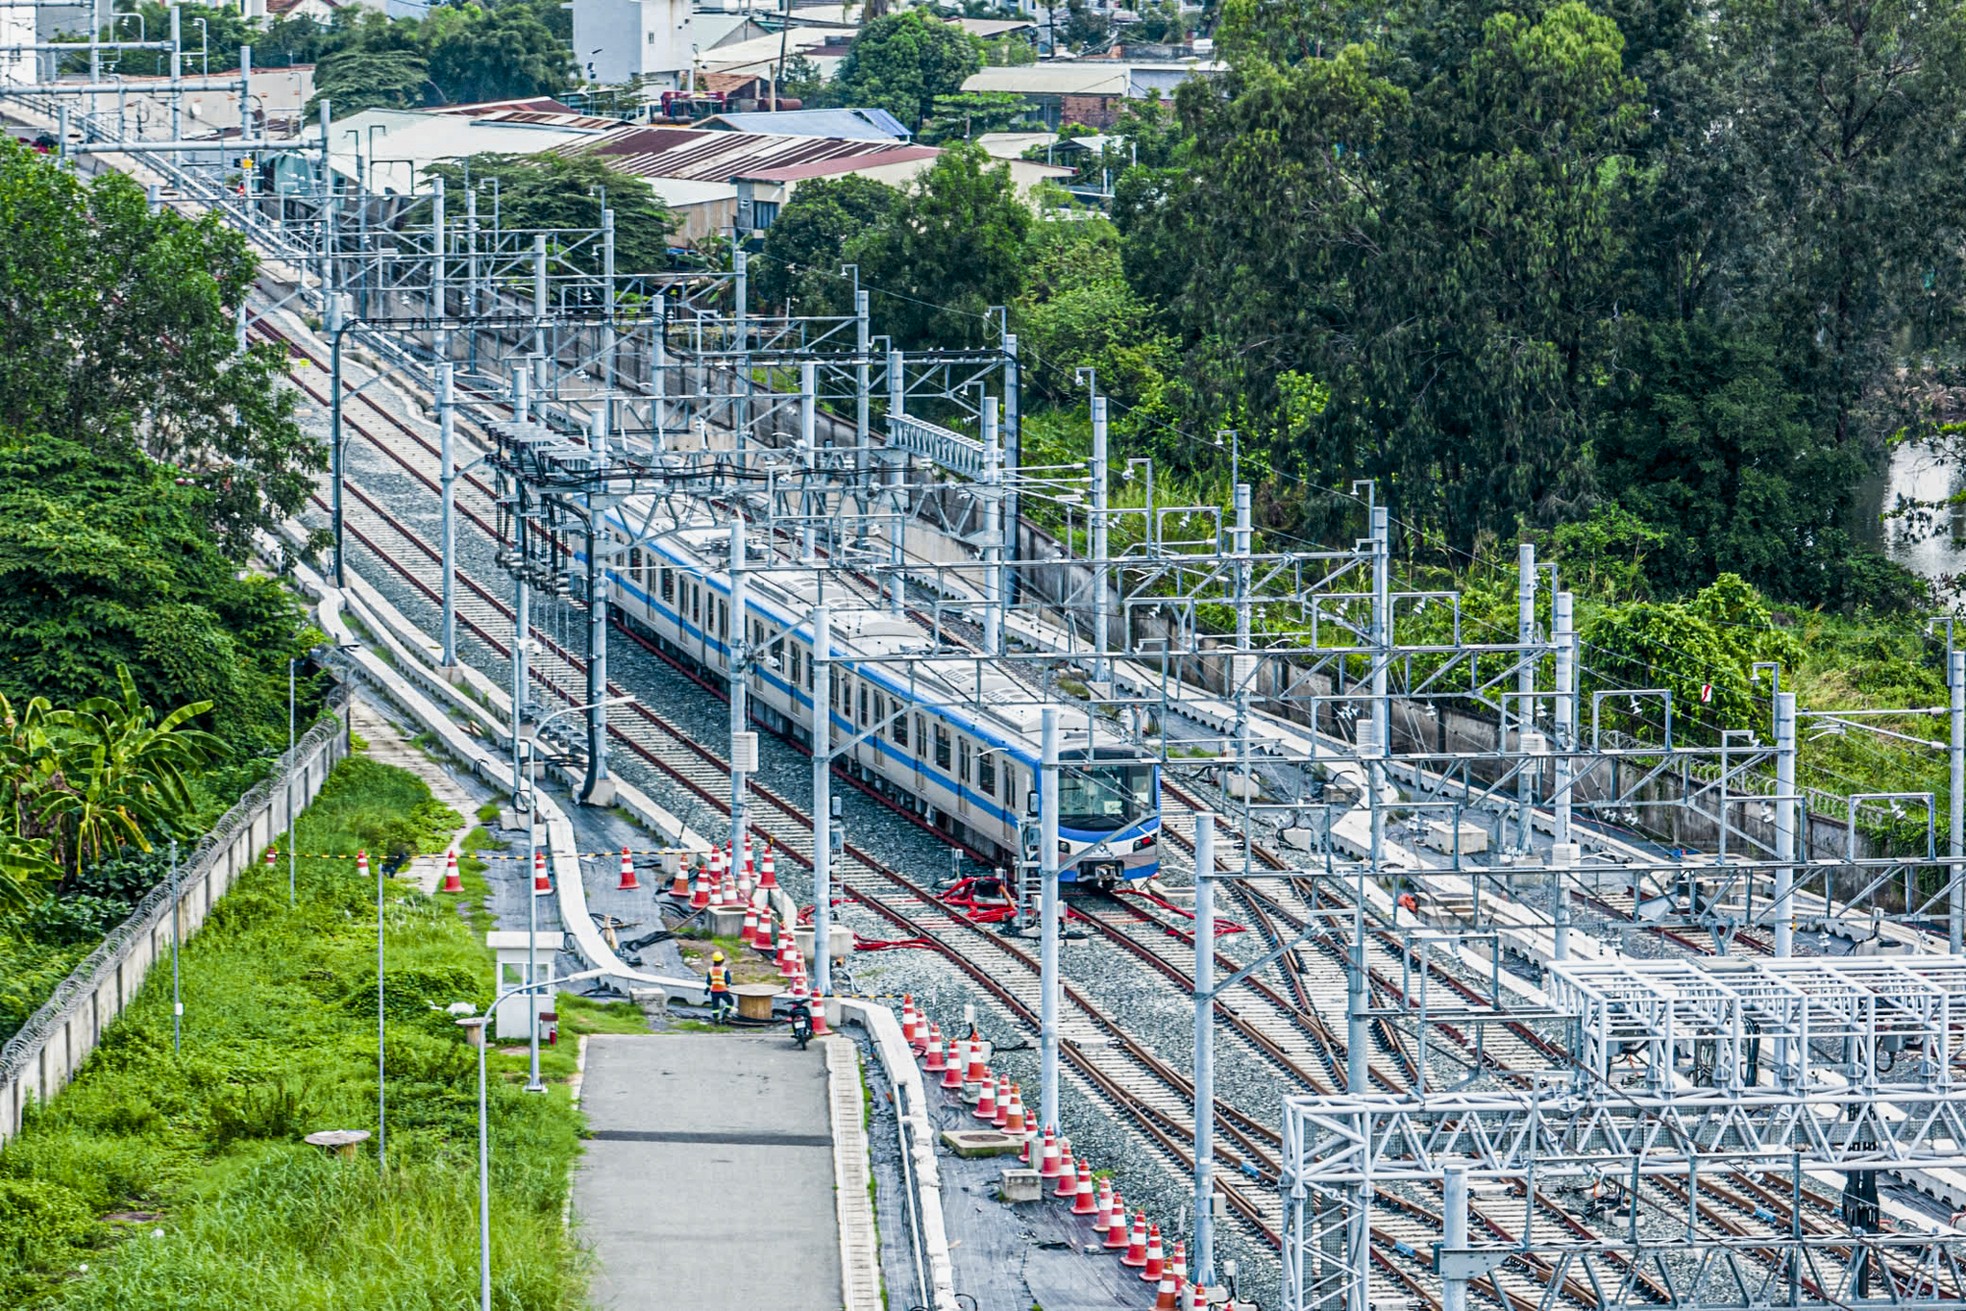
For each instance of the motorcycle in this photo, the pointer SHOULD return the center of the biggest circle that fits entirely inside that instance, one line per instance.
(802, 1023)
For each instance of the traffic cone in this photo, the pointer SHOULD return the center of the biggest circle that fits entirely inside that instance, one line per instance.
(1178, 1263)
(1156, 1257)
(747, 867)
(975, 1073)
(819, 1029)
(1197, 1297)
(1068, 1173)
(768, 870)
(952, 1077)
(748, 935)
(271, 852)
(1116, 1232)
(1085, 1202)
(1048, 1166)
(1014, 1122)
(934, 1038)
(679, 886)
(1001, 1119)
(744, 888)
(727, 891)
(934, 1064)
(910, 1019)
(1102, 1215)
(1167, 1297)
(986, 1101)
(451, 882)
(1136, 1243)
(541, 884)
(699, 899)
(799, 989)
(628, 883)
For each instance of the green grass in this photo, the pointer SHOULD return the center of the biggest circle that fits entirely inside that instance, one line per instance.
(585, 1015)
(279, 1041)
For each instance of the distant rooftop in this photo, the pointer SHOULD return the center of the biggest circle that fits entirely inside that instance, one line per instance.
(847, 124)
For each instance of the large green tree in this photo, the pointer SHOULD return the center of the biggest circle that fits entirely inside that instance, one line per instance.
(118, 332)
(804, 247)
(559, 191)
(952, 249)
(902, 62)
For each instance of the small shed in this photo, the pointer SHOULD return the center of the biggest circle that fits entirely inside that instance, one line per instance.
(510, 948)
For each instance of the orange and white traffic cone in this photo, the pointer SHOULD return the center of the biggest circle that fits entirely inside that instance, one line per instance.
(910, 1019)
(679, 886)
(1178, 1263)
(986, 1101)
(748, 935)
(1116, 1233)
(271, 852)
(727, 891)
(975, 1073)
(768, 871)
(1085, 1202)
(1068, 1173)
(1156, 1256)
(541, 885)
(1136, 1243)
(1002, 1118)
(1198, 1297)
(362, 865)
(1014, 1122)
(451, 881)
(934, 1038)
(628, 881)
(1167, 1297)
(699, 898)
(933, 1062)
(952, 1078)
(819, 1029)
(747, 868)
(1102, 1215)
(1048, 1166)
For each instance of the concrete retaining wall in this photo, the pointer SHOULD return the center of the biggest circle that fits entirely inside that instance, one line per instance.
(42, 1058)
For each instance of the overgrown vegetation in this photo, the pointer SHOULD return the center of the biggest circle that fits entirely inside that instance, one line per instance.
(201, 1149)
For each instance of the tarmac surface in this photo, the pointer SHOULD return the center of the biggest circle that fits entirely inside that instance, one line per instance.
(709, 1178)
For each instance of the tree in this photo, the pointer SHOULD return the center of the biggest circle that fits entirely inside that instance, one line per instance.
(562, 191)
(804, 247)
(359, 78)
(1077, 311)
(951, 249)
(118, 332)
(502, 53)
(902, 62)
(961, 117)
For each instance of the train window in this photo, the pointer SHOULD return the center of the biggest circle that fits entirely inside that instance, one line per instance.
(900, 730)
(941, 747)
(863, 705)
(723, 619)
(668, 579)
(986, 773)
(921, 736)
(695, 604)
(1010, 783)
(795, 664)
(962, 759)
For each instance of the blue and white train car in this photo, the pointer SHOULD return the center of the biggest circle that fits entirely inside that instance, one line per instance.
(950, 739)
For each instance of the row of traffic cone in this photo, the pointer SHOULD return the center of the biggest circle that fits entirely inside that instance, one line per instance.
(451, 881)
(721, 882)
(1000, 1103)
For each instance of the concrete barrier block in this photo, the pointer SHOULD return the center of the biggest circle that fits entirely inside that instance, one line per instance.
(1020, 1183)
(981, 1142)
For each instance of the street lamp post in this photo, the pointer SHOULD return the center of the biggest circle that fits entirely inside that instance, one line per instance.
(529, 782)
(475, 1024)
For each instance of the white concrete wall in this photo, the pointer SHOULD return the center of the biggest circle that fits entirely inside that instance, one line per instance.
(624, 39)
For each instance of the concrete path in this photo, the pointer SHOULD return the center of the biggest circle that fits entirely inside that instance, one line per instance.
(709, 1180)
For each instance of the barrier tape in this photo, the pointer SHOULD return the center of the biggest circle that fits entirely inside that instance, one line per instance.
(488, 855)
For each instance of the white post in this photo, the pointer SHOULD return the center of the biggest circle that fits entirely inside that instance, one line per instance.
(1525, 686)
(1102, 669)
(440, 336)
(1564, 632)
(1956, 844)
(1785, 817)
(992, 532)
(1048, 983)
(736, 652)
(447, 513)
(1204, 1073)
(1454, 1233)
(822, 799)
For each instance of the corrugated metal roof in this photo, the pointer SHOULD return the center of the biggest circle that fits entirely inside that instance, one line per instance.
(672, 152)
(848, 124)
(820, 168)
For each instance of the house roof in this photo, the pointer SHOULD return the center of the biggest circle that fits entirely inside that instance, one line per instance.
(847, 124)
(679, 152)
(1012, 145)
(1088, 77)
(538, 112)
(819, 168)
(989, 27)
(409, 140)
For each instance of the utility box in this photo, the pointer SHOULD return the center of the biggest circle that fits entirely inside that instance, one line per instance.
(839, 940)
(511, 950)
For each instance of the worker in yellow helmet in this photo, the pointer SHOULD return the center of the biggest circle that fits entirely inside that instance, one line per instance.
(717, 984)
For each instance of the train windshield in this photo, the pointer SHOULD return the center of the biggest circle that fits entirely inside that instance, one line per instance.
(1104, 797)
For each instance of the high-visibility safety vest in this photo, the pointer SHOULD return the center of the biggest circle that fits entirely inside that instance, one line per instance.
(719, 978)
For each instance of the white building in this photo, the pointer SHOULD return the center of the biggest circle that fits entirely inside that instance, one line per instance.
(617, 41)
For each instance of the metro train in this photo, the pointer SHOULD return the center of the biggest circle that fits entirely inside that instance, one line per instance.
(950, 739)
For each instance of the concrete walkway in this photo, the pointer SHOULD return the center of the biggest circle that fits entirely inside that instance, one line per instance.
(709, 1180)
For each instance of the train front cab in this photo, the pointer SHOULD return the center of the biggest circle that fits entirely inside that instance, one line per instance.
(1109, 818)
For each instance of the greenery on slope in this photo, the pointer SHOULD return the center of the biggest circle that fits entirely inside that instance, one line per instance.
(159, 1179)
